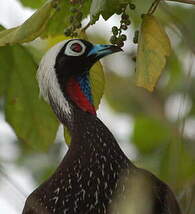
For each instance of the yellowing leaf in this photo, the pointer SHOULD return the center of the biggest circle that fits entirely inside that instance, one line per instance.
(97, 81)
(67, 136)
(30, 29)
(153, 47)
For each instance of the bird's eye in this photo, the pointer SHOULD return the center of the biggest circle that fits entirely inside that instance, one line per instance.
(75, 48)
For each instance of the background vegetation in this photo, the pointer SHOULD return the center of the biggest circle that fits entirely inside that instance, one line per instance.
(163, 121)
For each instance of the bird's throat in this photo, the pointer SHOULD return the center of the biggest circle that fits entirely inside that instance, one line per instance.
(79, 91)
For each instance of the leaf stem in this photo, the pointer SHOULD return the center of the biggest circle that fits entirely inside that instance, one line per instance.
(184, 1)
(153, 7)
(86, 26)
(155, 4)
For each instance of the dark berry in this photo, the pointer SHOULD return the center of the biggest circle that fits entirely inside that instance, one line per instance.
(122, 21)
(124, 16)
(114, 30)
(123, 37)
(127, 22)
(124, 27)
(74, 34)
(113, 39)
(67, 32)
(132, 6)
(120, 43)
(135, 38)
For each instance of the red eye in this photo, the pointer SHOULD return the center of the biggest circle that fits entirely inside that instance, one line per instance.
(76, 47)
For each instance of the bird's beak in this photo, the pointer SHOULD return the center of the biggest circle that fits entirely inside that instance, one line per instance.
(99, 51)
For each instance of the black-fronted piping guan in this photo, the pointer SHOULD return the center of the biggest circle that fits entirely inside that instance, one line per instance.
(95, 176)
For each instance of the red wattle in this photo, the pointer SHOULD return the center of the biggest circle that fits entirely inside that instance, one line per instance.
(76, 94)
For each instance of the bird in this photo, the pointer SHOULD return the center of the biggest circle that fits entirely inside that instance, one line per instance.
(95, 176)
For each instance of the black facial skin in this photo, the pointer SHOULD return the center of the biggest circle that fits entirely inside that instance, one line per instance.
(67, 66)
(74, 64)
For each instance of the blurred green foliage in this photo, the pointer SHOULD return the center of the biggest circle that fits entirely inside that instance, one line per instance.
(33, 4)
(163, 144)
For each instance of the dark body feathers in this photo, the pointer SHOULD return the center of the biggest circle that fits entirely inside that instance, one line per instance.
(89, 176)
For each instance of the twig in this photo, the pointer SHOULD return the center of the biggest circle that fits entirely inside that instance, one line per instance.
(156, 3)
(12, 182)
(86, 26)
(153, 7)
(184, 1)
(186, 90)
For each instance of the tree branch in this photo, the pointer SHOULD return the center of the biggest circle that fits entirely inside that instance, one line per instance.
(184, 1)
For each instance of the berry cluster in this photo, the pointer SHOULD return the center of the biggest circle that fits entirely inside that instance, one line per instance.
(118, 38)
(75, 18)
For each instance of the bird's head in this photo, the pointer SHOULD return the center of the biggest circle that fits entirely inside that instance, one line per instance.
(64, 70)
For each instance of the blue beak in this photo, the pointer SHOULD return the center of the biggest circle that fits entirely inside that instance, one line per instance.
(99, 51)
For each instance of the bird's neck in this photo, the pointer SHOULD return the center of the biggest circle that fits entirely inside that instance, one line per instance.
(78, 91)
(90, 136)
(74, 98)
(92, 143)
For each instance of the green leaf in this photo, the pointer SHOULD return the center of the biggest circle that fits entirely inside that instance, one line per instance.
(6, 65)
(106, 8)
(97, 81)
(60, 19)
(30, 117)
(67, 136)
(33, 3)
(176, 75)
(30, 29)
(6, 36)
(177, 162)
(153, 47)
(123, 96)
(149, 134)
